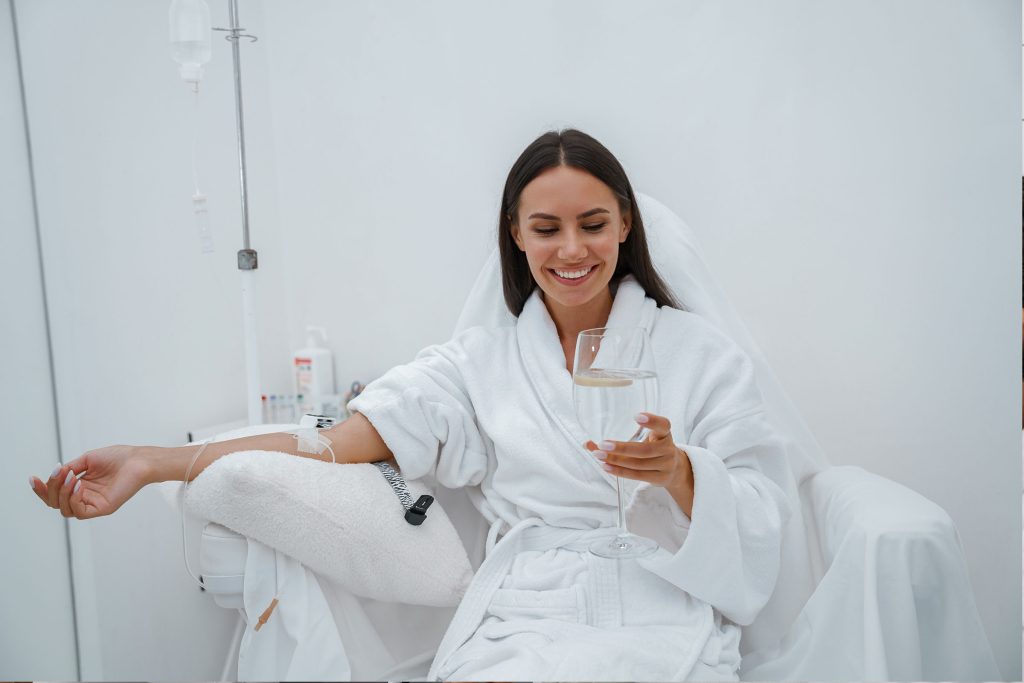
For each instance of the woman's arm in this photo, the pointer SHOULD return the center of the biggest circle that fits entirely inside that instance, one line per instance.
(100, 481)
(353, 441)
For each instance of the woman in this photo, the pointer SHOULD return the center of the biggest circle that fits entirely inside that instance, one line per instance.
(492, 409)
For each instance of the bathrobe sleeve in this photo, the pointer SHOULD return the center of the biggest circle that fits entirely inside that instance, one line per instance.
(730, 553)
(423, 412)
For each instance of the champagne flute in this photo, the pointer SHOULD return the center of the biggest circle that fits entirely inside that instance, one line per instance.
(614, 378)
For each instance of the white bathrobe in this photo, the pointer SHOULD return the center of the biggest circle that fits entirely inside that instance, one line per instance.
(492, 410)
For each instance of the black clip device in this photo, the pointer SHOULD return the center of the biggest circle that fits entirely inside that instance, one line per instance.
(418, 512)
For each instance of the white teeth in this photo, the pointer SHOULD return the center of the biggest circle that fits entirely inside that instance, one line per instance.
(575, 274)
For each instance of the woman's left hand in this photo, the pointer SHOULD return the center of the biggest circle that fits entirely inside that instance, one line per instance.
(656, 460)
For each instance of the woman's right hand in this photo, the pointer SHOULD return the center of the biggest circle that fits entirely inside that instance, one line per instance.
(109, 477)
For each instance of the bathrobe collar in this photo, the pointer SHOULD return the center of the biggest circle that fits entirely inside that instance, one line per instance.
(544, 359)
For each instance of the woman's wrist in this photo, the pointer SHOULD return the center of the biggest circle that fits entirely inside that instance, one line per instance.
(162, 464)
(681, 487)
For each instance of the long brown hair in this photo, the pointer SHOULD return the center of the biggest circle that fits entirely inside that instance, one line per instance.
(573, 148)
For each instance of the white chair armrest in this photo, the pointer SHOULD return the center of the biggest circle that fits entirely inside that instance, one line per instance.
(222, 565)
(895, 601)
(847, 500)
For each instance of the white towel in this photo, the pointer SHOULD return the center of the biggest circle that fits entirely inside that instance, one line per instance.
(341, 521)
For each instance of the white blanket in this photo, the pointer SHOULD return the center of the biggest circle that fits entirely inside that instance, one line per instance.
(492, 410)
(342, 521)
(297, 638)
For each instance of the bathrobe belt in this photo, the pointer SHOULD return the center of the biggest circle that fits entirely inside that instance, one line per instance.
(529, 534)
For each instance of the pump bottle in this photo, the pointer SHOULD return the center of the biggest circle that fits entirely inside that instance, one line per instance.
(313, 371)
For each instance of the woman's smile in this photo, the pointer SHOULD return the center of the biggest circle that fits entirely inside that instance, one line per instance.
(576, 279)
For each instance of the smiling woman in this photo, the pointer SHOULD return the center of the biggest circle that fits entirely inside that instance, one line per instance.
(567, 226)
(574, 255)
(571, 259)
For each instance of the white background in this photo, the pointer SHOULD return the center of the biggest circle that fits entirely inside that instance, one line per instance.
(851, 166)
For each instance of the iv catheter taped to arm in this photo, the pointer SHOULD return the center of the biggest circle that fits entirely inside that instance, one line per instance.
(310, 441)
(309, 438)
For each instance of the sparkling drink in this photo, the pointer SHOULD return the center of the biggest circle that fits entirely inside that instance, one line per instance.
(608, 399)
(614, 378)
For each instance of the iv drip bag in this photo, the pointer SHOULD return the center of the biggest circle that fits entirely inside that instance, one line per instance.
(190, 38)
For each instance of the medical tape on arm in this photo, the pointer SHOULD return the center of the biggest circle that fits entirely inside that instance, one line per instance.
(309, 437)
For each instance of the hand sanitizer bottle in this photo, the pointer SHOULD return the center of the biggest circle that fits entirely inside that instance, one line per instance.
(314, 371)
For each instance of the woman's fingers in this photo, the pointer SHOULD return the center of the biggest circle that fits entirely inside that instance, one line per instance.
(636, 449)
(65, 494)
(658, 426)
(625, 472)
(38, 488)
(53, 485)
(617, 452)
(659, 461)
(49, 491)
(656, 454)
(76, 499)
(68, 490)
(660, 431)
(649, 460)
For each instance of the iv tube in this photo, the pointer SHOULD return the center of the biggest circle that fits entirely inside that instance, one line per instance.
(198, 198)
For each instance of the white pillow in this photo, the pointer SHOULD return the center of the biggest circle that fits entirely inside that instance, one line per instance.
(342, 521)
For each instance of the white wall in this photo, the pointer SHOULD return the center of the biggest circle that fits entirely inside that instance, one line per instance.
(37, 631)
(850, 166)
(146, 329)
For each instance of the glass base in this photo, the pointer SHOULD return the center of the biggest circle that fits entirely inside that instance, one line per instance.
(623, 546)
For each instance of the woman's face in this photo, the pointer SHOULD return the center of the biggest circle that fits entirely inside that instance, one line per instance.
(569, 224)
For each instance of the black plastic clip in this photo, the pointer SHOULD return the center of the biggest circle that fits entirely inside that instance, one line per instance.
(418, 512)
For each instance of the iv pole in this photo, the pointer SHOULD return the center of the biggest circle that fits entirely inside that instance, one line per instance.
(247, 259)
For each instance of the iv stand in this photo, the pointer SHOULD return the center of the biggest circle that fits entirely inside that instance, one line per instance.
(247, 259)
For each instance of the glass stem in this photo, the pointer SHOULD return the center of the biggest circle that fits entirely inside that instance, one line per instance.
(622, 513)
(640, 436)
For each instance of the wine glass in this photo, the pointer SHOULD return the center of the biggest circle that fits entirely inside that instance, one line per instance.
(614, 378)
